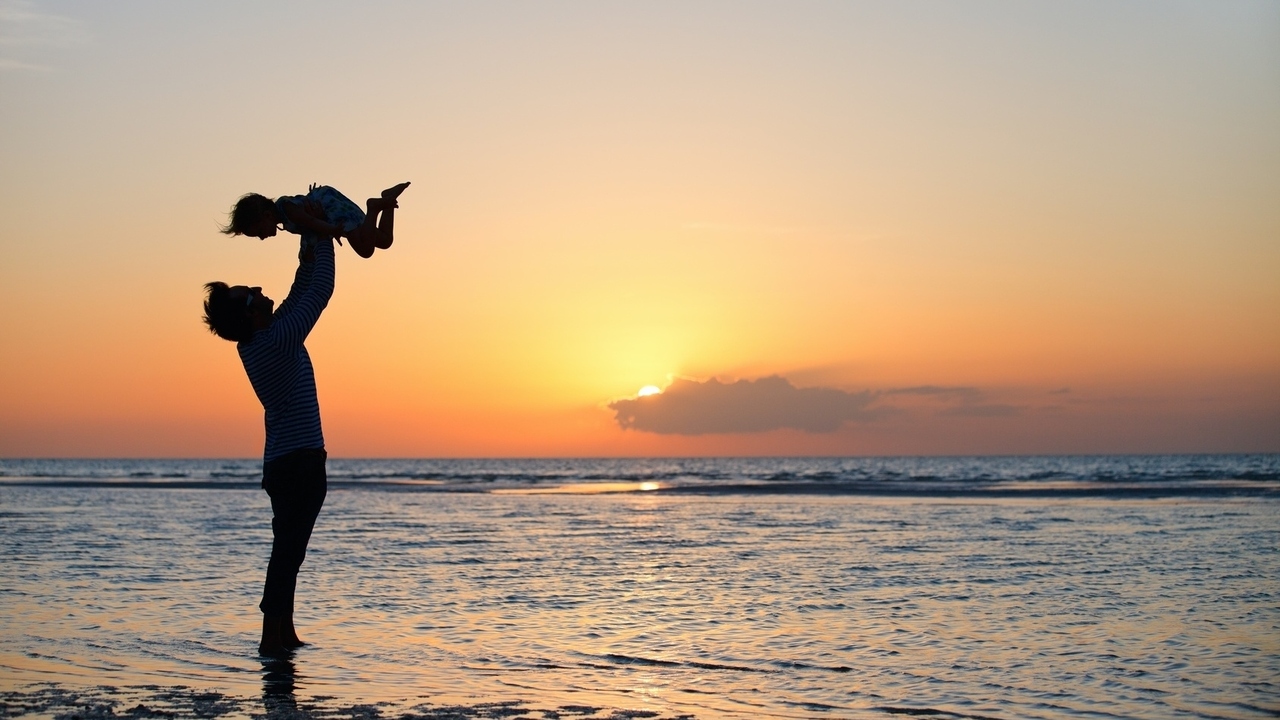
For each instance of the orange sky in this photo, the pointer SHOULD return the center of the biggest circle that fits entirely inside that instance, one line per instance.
(1059, 220)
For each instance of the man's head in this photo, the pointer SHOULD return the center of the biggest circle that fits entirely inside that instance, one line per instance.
(253, 215)
(236, 312)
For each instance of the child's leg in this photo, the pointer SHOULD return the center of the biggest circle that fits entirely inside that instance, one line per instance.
(364, 239)
(375, 232)
(386, 227)
(362, 242)
(387, 204)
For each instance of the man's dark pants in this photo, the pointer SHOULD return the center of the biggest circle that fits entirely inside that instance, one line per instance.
(296, 483)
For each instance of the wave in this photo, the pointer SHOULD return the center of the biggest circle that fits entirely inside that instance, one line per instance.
(1120, 476)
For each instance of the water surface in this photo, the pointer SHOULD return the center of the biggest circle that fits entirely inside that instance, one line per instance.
(1003, 588)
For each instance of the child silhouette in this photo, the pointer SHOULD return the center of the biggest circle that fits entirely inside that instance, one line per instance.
(322, 211)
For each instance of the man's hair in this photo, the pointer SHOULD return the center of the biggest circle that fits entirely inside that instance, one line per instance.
(247, 210)
(227, 319)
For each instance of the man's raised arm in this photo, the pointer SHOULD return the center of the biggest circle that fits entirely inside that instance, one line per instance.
(310, 293)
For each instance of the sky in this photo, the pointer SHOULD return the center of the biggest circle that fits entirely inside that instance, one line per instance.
(821, 228)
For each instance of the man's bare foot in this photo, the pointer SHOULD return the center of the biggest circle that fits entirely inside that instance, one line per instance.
(274, 651)
(272, 644)
(394, 191)
(288, 635)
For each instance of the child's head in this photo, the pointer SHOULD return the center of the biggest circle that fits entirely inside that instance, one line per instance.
(253, 215)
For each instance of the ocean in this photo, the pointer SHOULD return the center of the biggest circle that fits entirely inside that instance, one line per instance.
(967, 587)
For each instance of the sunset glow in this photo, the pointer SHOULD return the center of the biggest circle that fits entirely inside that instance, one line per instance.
(1036, 228)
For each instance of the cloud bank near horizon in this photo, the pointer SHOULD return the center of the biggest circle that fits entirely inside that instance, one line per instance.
(708, 407)
(959, 401)
(689, 407)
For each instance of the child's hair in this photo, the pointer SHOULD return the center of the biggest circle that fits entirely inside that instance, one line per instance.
(246, 212)
(226, 319)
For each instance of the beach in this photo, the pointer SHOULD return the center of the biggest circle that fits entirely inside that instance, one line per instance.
(513, 590)
(158, 702)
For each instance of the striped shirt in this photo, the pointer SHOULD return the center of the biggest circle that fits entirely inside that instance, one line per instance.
(277, 362)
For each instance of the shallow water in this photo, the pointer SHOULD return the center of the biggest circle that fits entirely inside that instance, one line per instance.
(711, 604)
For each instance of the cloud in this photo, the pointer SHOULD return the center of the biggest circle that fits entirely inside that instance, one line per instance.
(962, 393)
(959, 401)
(7, 64)
(24, 29)
(21, 24)
(982, 410)
(689, 407)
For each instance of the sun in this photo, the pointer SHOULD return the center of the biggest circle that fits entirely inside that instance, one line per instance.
(649, 390)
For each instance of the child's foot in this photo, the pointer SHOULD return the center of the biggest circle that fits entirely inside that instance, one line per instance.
(393, 192)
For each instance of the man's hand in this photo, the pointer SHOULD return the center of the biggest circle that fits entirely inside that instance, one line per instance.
(316, 211)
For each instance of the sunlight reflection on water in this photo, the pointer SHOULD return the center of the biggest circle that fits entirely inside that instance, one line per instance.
(591, 488)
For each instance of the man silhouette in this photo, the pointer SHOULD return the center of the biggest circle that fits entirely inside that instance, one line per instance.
(293, 460)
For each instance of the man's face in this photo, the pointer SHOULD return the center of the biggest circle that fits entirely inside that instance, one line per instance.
(254, 301)
(264, 227)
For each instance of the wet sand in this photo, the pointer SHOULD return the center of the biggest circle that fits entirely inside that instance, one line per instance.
(108, 703)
